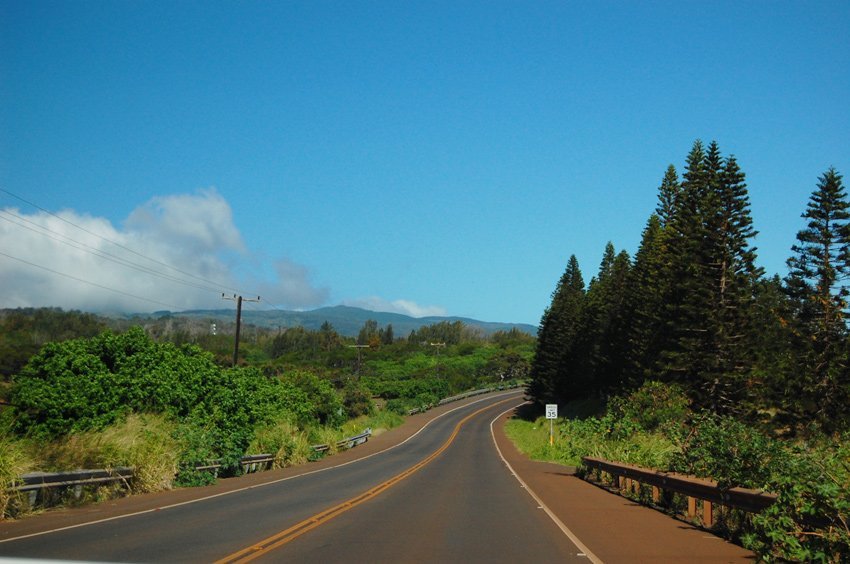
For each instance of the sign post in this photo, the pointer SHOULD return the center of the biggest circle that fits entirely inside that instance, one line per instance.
(551, 415)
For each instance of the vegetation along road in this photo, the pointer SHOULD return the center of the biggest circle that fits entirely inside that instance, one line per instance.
(443, 494)
(446, 486)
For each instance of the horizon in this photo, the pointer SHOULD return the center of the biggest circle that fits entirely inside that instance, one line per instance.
(439, 160)
(248, 312)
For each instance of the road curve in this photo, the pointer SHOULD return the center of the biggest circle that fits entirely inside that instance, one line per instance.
(442, 495)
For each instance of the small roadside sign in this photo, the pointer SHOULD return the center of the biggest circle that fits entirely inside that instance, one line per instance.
(551, 415)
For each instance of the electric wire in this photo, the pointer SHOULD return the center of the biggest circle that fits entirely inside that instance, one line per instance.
(73, 243)
(95, 284)
(108, 256)
(119, 245)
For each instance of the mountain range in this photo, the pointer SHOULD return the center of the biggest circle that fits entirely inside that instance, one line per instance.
(346, 320)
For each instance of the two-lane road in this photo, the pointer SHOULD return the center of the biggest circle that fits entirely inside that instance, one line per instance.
(443, 495)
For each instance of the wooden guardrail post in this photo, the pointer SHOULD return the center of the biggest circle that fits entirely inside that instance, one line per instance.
(707, 514)
(626, 477)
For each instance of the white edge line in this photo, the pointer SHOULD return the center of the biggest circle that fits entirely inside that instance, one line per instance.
(566, 530)
(246, 488)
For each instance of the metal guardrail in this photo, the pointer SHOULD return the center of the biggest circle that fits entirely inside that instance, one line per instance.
(39, 480)
(35, 482)
(350, 442)
(464, 395)
(629, 478)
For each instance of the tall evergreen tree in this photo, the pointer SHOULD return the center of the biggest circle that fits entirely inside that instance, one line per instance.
(644, 305)
(686, 304)
(556, 335)
(610, 364)
(668, 195)
(816, 282)
(711, 279)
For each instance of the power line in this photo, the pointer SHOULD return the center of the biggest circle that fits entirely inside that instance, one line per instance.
(114, 258)
(73, 243)
(126, 248)
(95, 284)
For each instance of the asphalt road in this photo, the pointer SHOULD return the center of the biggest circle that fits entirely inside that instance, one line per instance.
(444, 495)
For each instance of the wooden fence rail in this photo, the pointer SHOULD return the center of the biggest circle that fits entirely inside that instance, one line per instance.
(700, 492)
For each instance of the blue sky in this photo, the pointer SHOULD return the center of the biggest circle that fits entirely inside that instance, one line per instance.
(433, 157)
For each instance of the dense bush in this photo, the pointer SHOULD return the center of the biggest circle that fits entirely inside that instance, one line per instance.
(730, 452)
(810, 520)
(325, 404)
(87, 384)
(407, 389)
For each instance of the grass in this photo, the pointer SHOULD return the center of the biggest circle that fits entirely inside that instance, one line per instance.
(153, 445)
(575, 438)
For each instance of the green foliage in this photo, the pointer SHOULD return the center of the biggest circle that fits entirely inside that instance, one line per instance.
(554, 372)
(24, 331)
(819, 269)
(326, 403)
(407, 389)
(809, 521)
(730, 452)
(13, 463)
(356, 401)
(654, 405)
(448, 332)
(83, 385)
(286, 441)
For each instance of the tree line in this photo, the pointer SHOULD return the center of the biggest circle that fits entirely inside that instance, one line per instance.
(693, 308)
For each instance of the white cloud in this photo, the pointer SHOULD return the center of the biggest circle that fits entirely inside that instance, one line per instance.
(294, 288)
(405, 307)
(202, 221)
(194, 233)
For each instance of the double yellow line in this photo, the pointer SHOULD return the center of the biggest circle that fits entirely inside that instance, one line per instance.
(279, 539)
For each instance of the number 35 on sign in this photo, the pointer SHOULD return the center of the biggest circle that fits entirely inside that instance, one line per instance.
(551, 411)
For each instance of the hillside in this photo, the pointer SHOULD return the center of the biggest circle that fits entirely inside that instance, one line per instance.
(346, 320)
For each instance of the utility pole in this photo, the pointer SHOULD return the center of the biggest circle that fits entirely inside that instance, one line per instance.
(439, 346)
(238, 300)
(359, 348)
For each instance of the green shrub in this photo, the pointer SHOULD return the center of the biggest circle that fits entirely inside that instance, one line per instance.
(285, 440)
(356, 401)
(656, 405)
(809, 521)
(729, 452)
(326, 404)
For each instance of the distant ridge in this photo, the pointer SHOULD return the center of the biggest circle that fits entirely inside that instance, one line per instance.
(346, 320)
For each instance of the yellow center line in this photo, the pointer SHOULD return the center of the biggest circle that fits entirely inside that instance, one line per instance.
(279, 539)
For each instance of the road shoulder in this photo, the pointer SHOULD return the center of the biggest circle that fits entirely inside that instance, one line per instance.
(614, 528)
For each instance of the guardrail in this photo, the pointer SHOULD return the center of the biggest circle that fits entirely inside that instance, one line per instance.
(350, 442)
(464, 395)
(36, 482)
(629, 478)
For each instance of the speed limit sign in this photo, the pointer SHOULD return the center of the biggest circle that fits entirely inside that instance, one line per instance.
(551, 411)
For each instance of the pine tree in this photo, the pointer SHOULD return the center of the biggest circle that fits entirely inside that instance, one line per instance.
(668, 196)
(645, 293)
(686, 302)
(711, 278)
(818, 269)
(555, 337)
(600, 339)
